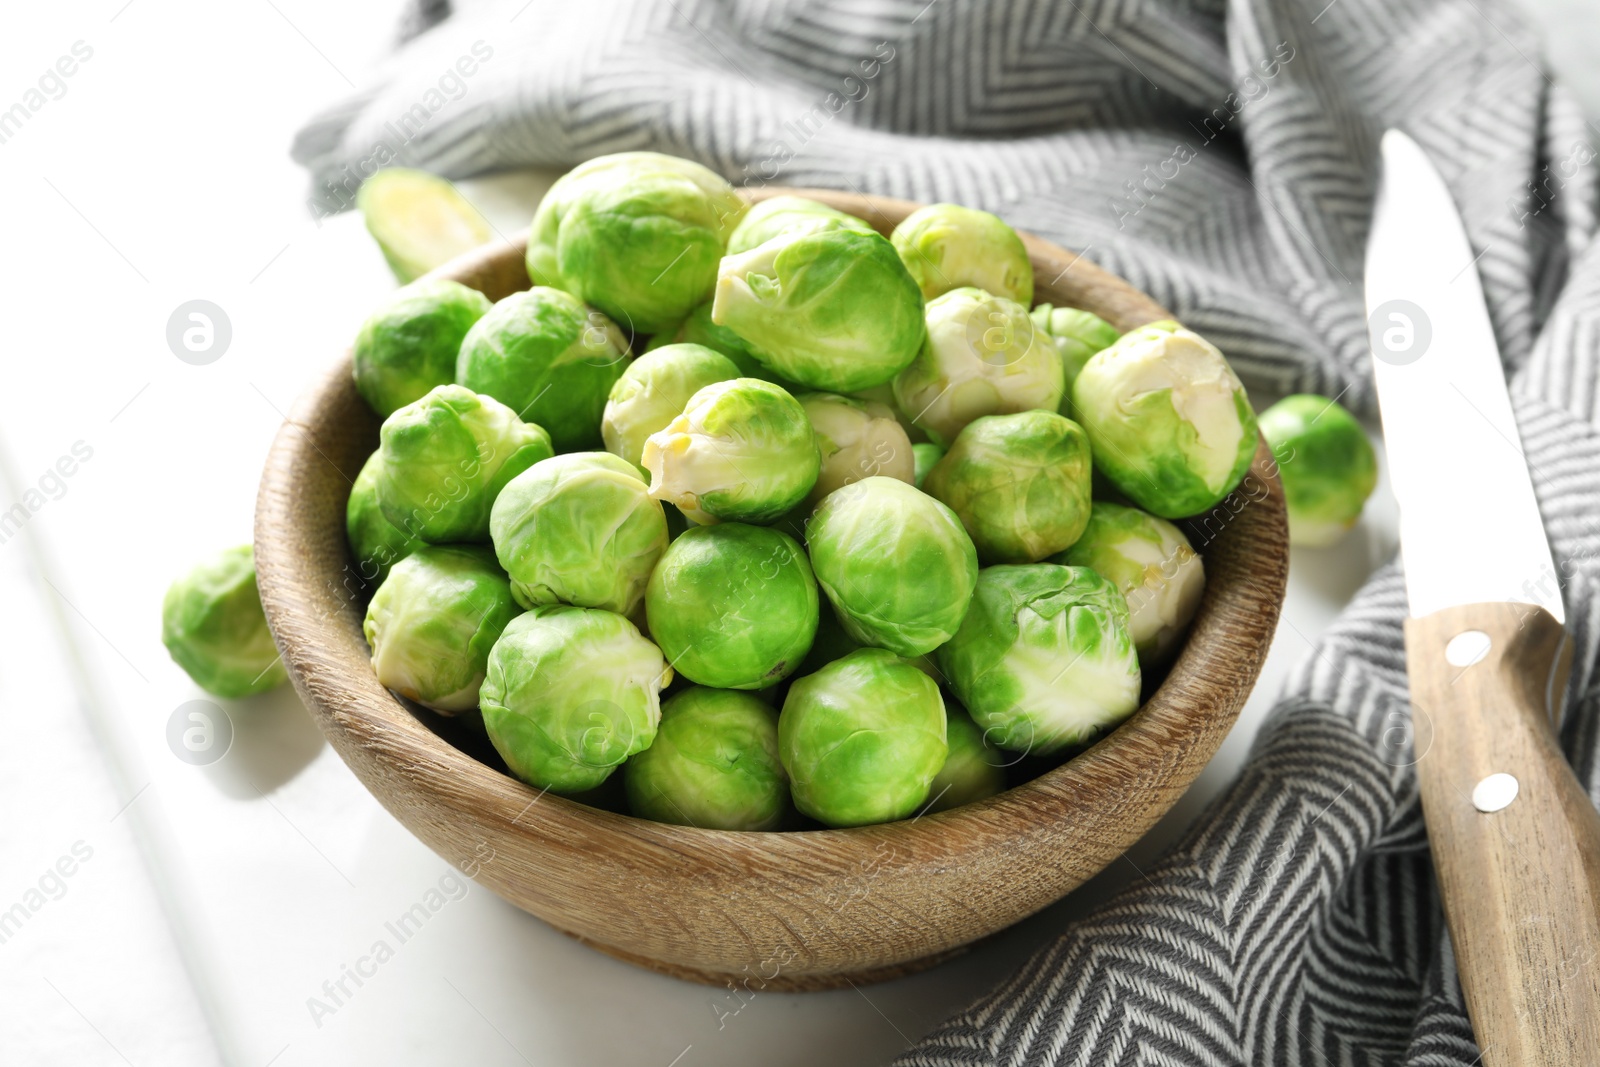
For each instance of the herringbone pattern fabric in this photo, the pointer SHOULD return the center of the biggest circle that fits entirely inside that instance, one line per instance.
(1220, 155)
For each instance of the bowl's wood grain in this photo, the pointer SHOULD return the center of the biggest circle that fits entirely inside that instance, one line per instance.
(772, 910)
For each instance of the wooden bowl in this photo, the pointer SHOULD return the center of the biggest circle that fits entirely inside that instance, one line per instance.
(802, 910)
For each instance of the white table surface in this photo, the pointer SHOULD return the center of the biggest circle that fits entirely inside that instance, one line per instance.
(208, 905)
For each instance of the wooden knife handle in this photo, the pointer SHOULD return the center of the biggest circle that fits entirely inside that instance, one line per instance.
(1521, 885)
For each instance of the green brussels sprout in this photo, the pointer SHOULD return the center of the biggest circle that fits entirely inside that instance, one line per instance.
(924, 456)
(579, 529)
(376, 543)
(830, 309)
(698, 329)
(733, 606)
(857, 439)
(570, 694)
(982, 356)
(1151, 564)
(1044, 660)
(862, 739)
(1168, 421)
(443, 460)
(1019, 484)
(433, 621)
(947, 246)
(741, 450)
(214, 628)
(636, 234)
(783, 215)
(409, 345)
(548, 358)
(1326, 463)
(655, 389)
(896, 564)
(714, 764)
(1077, 335)
(973, 770)
(419, 220)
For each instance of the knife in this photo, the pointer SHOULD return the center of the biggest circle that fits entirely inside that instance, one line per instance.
(1515, 839)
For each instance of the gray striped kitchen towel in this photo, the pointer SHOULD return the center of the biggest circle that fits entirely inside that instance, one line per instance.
(1219, 154)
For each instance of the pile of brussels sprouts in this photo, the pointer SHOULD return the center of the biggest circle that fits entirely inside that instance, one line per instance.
(770, 516)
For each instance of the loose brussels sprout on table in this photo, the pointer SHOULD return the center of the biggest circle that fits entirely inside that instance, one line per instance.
(782, 215)
(714, 764)
(1077, 336)
(857, 439)
(433, 621)
(377, 543)
(419, 220)
(1326, 463)
(1169, 423)
(214, 628)
(947, 246)
(654, 390)
(409, 345)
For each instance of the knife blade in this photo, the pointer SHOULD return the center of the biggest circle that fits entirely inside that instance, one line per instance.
(1514, 837)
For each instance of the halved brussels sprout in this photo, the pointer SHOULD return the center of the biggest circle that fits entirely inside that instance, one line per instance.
(1077, 336)
(895, 563)
(548, 358)
(947, 246)
(419, 220)
(782, 215)
(570, 694)
(579, 529)
(433, 621)
(733, 606)
(1150, 562)
(656, 388)
(973, 770)
(982, 356)
(1019, 484)
(862, 739)
(742, 450)
(409, 345)
(857, 439)
(830, 309)
(636, 234)
(443, 460)
(1169, 423)
(925, 456)
(1044, 660)
(214, 628)
(376, 543)
(1326, 463)
(714, 764)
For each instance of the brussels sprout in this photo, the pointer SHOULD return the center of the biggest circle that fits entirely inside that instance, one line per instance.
(1077, 335)
(947, 246)
(830, 309)
(733, 606)
(1043, 660)
(895, 563)
(741, 450)
(654, 389)
(409, 345)
(857, 439)
(548, 358)
(419, 220)
(925, 455)
(1326, 463)
(1151, 564)
(714, 764)
(636, 234)
(1169, 423)
(982, 356)
(433, 621)
(974, 769)
(862, 739)
(443, 460)
(376, 543)
(698, 329)
(1019, 484)
(570, 694)
(784, 215)
(581, 529)
(214, 628)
